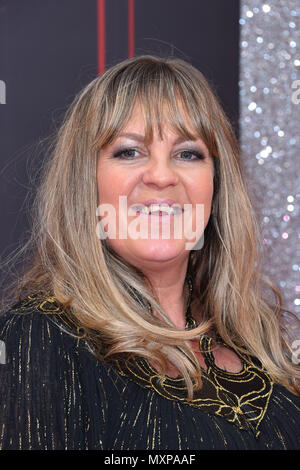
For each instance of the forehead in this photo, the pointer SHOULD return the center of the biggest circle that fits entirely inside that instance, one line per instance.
(136, 119)
(159, 125)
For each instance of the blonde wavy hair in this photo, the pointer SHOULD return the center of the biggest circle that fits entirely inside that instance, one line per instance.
(106, 295)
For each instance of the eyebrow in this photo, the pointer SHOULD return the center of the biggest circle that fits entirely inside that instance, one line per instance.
(141, 138)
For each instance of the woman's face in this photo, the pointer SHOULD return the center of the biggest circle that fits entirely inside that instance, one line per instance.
(171, 170)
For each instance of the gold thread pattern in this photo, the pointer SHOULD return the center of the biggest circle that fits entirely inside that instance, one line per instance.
(240, 398)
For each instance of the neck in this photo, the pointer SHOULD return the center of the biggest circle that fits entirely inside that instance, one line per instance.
(172, 293)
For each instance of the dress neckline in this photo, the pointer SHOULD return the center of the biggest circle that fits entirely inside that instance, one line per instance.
(241, 398)
(206, 349)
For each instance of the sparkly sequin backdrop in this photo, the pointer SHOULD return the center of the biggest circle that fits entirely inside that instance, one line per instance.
(270, 133)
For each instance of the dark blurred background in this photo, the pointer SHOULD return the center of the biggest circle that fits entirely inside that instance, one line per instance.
(50, 49)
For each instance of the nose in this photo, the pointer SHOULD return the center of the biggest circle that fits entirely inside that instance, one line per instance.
(160, 173)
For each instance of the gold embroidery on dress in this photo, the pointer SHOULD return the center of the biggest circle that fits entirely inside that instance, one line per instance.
(241, 398)
(45, 302)
(42, 301)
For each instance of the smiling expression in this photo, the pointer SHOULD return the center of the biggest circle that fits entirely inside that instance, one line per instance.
(168, 172)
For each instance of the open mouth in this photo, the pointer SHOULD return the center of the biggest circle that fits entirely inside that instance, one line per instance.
(158, 210)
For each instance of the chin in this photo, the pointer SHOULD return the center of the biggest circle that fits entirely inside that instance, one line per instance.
(159, 250)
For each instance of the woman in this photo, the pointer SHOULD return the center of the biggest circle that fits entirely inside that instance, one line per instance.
(118, 341)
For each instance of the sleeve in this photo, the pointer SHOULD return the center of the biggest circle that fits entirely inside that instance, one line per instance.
(41, 381)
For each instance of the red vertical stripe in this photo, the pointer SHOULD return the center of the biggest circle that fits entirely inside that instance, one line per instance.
(101, 35)
(130, 28)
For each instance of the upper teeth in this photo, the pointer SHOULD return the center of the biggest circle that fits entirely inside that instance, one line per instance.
(157, 208)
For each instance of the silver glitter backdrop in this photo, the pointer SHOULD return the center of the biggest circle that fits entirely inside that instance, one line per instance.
(270, 133)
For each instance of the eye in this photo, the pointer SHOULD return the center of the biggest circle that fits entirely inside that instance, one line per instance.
(126, 153)
(131, 153)
(189, 154)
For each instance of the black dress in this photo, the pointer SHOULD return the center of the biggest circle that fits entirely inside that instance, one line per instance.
(54, 394)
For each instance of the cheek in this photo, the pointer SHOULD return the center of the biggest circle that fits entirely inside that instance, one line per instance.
(106, 191)
(111, 183)
(202, 188)
(115, 179)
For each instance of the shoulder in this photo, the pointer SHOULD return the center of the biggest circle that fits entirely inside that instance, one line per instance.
(38, 326)
(38, 311)
(37, 302)
(49, 378)
(39, 332)
(39, 338)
